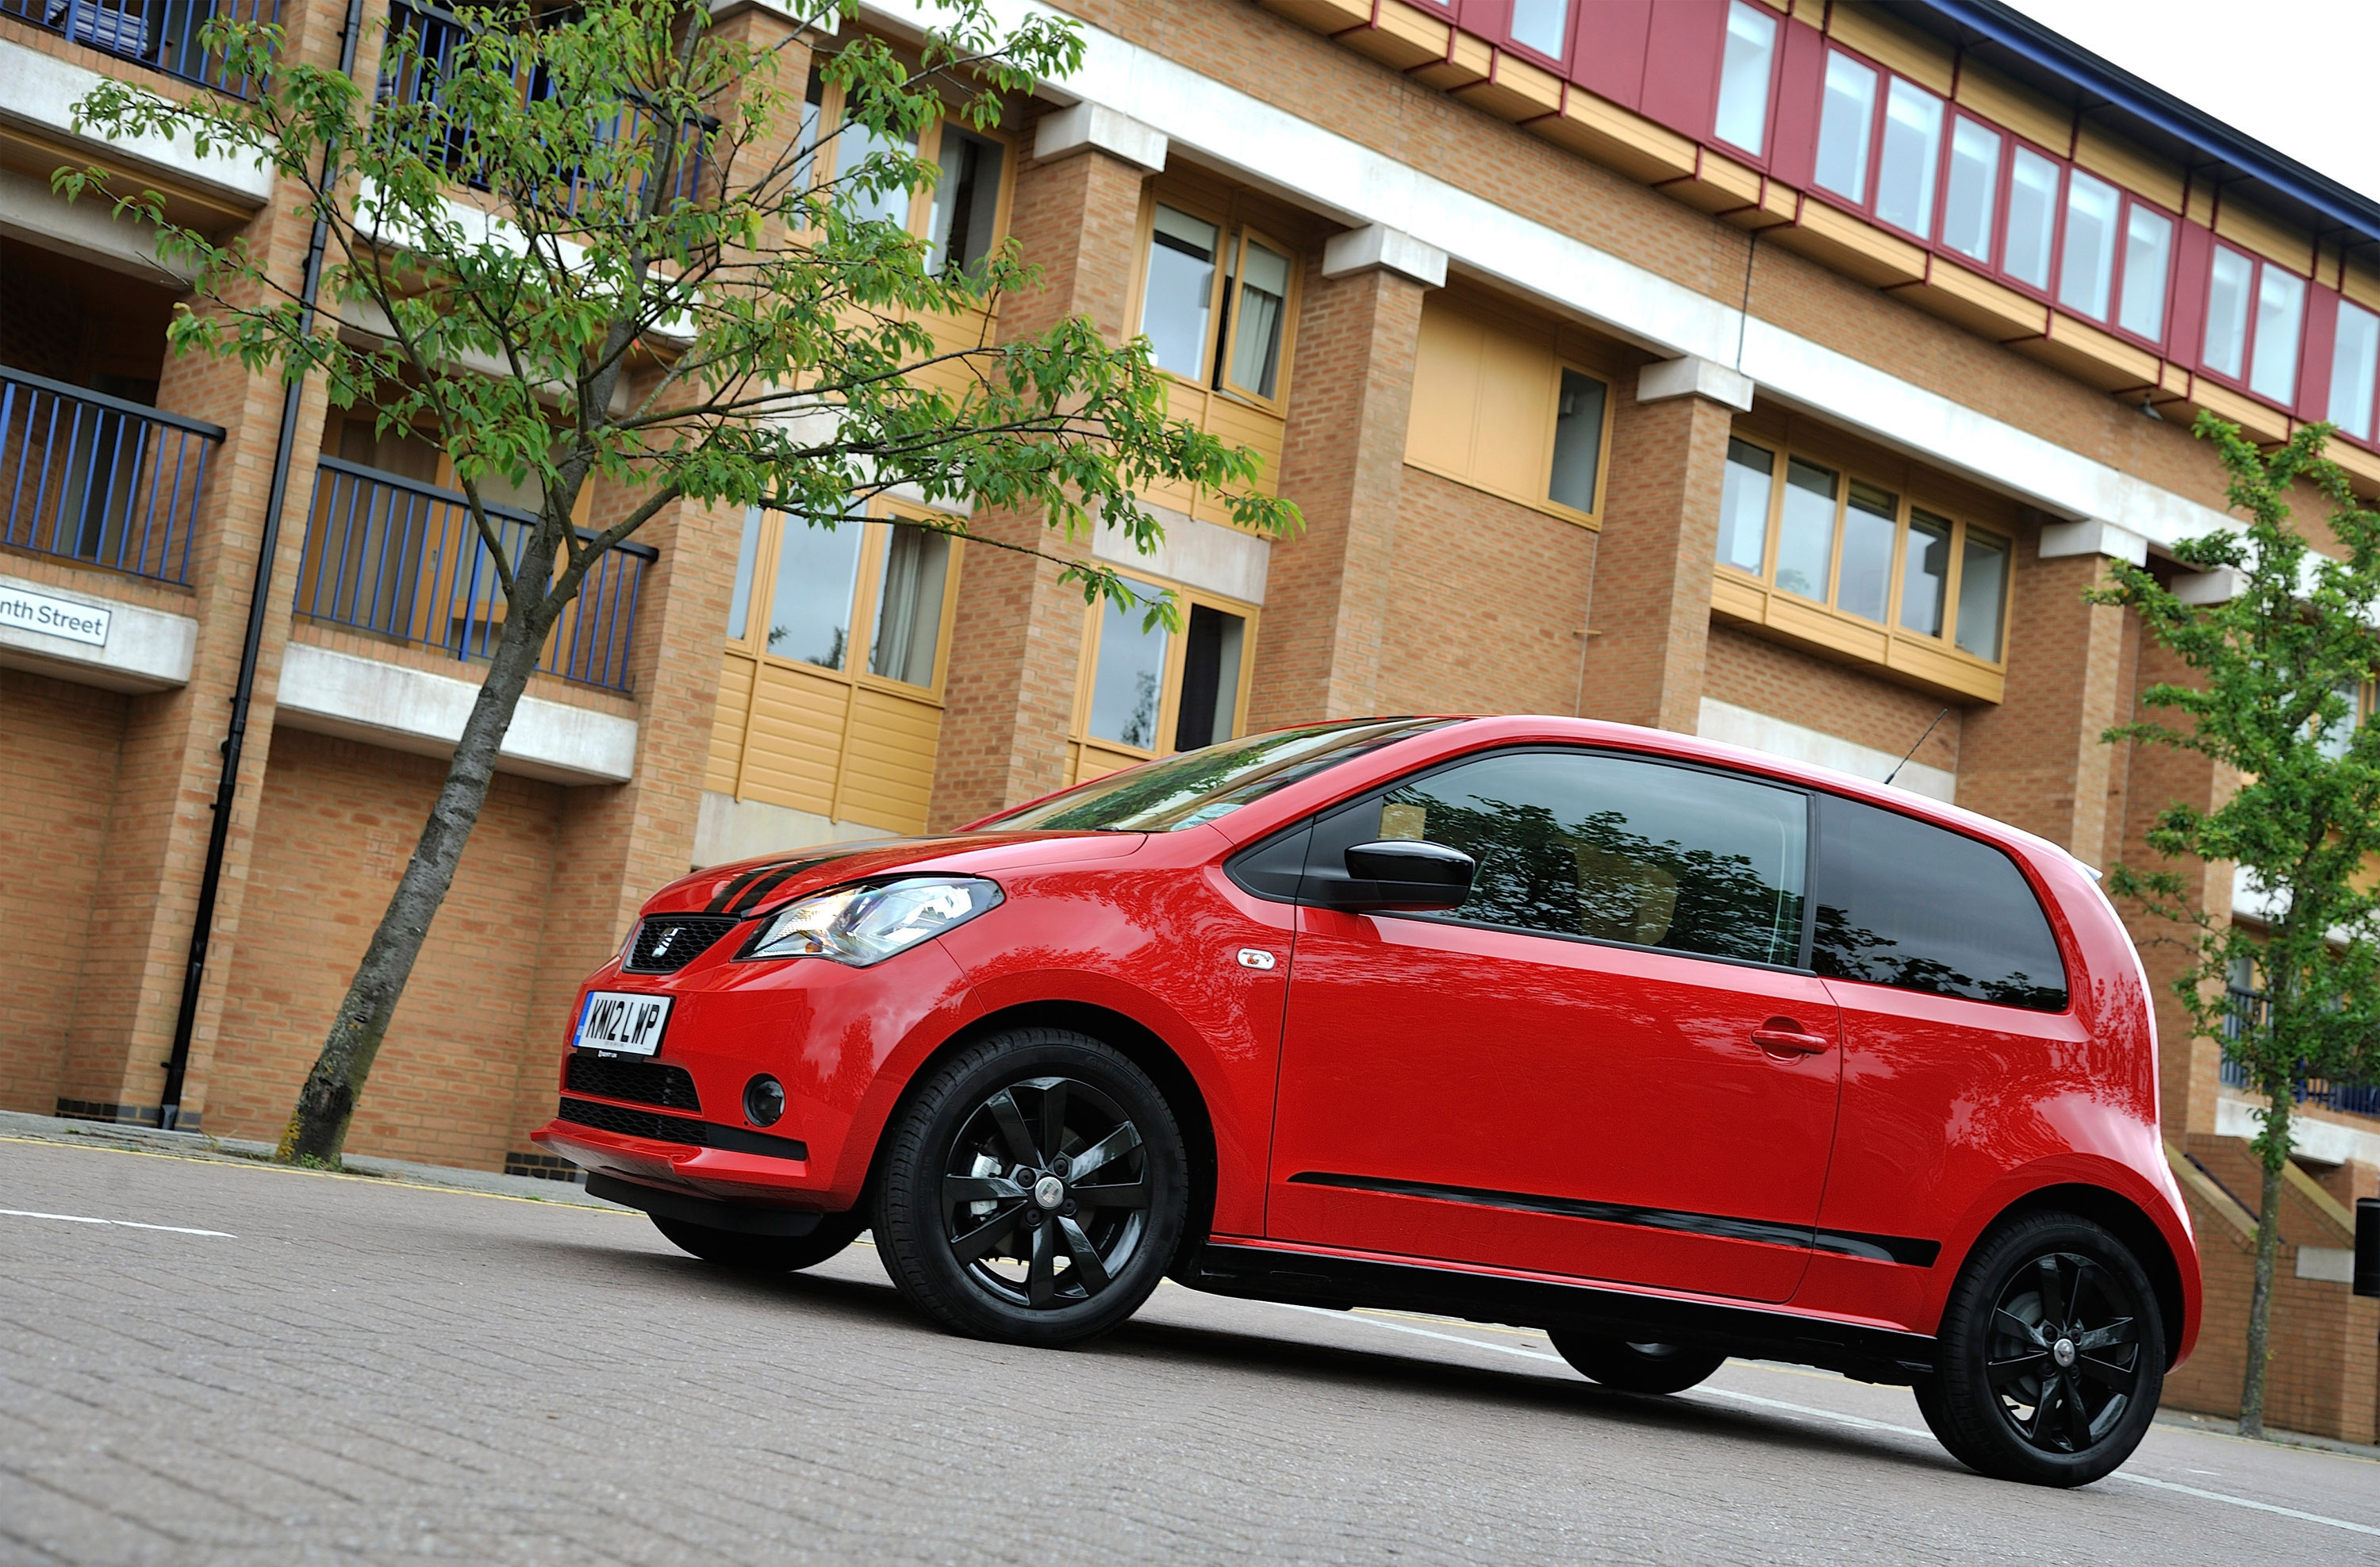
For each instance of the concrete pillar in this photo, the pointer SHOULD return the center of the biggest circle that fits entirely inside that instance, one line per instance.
(1342, 462)
(1016, 644)
(1649, 628)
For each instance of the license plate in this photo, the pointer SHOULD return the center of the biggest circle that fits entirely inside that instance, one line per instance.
(622, 1022)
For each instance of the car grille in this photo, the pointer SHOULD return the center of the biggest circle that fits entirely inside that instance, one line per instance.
(636, 1122)
(671, 1087)
(667, 942)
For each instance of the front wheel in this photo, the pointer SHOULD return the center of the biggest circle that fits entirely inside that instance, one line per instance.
(2052, 1356)
(1034, 1189)
(1635, 1367)
(764, 1254)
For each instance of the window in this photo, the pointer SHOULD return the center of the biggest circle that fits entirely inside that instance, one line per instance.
(1905, 903)
(2333, 738)
(816, 605)
(1910, 153)
(1541, 25)
(1805, 537)
(1969, 205)
(2090, 262)
(2148, 254)
(2227, 313)
(1743, 75)
(1215, 303)
(1743, 507)
(1155, 691)
(2280, 305)
(2032, 217)
(1573, 844)
(853, 145)
(1982, 592)
(1862, 550)
(1578, 442)
(966, 199)
(2354, 362)
(1845, 123)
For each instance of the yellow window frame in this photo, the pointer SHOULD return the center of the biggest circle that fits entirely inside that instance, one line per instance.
(876, 523)
(1235, 232)
(1102, 756)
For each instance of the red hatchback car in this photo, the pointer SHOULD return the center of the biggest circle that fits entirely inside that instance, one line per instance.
(1675, 1050)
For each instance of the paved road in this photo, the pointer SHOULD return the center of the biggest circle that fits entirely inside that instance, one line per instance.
(360, 1371)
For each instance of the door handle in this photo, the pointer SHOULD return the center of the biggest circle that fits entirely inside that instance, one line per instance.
(1783, 1037)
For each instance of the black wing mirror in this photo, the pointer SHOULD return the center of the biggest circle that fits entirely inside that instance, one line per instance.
(1405, 873)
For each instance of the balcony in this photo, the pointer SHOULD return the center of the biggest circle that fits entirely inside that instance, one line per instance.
(432, 34)
(162, 34)
(402, 559)
(98, 479)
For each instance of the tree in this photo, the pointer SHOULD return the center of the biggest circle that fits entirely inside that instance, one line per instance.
(2278, 668)
(593, 243)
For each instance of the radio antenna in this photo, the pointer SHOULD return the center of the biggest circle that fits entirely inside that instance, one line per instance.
(1912, 750)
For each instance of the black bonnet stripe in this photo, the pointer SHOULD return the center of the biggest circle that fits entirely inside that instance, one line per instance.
(750, 897)
(728, 893)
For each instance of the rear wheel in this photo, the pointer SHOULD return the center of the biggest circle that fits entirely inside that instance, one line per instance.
(764, 1254)
(1635, 1367)
(1034, 1189)
(2052, 1355)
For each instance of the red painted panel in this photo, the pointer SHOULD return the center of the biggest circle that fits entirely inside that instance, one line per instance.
(1681, 55)
(1608, 58)
(2194, 253)
(1801, 84)
(2314, 365)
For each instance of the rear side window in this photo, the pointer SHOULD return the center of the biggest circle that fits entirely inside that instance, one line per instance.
(1905, 903)
(1577, 843)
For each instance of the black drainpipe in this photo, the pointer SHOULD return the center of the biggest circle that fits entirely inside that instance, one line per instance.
(177, 1066)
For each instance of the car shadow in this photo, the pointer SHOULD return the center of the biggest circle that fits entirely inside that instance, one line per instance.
(871, 1303)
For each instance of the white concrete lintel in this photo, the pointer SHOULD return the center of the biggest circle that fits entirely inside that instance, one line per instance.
(2218, 587)
(2060, 539)
(90, 230)
(1694, 377)
(1087, 125)
(1376, 246)
(727, 829)
(146, 649)
(42, 91)
(1195, 553)
(2323, 1142)
(1735, 725)
(412, 709)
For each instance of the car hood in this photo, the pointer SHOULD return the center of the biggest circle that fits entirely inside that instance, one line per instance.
(749, 886)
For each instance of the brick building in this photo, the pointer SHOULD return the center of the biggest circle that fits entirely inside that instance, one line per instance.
(1779, 372)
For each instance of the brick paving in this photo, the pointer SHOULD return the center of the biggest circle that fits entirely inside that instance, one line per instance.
(360, 1369)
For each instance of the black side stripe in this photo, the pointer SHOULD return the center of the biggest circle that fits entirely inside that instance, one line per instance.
(1901, 1249)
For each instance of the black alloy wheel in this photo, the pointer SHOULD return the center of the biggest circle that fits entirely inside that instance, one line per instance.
(2052, 1356)
(764, 1254)
(1635, 1367)
(1034, 1191)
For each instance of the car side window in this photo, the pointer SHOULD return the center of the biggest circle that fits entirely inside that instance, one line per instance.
(1583, 843)
(1904, 903)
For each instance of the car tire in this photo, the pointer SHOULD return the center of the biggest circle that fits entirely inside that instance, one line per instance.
(1033, 1189)
(764, 1254)
(1635, 1367)
(2051, 1355)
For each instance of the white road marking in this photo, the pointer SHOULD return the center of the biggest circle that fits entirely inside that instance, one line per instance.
(1856, 1421)
(120, 1223)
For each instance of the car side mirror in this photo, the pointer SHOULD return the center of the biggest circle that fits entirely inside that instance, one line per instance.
(1404, 874)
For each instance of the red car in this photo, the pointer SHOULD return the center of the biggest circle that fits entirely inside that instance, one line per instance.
(1675, 1050)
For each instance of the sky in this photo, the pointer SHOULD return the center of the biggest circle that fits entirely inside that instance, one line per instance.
(2298, 80)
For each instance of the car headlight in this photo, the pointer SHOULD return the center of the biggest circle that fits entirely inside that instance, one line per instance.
(868, 924)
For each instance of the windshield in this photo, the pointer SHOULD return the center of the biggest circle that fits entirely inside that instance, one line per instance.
(1197, 786)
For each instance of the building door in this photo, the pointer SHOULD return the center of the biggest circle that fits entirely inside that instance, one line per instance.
(1610, 1062)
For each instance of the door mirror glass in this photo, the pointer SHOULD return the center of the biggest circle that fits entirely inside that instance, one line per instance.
(1405, 873)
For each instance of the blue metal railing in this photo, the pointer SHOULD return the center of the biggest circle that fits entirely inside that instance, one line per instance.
(161, 34)
(390, 555)
(414, 75)
(97, 479)
(2247, 1007)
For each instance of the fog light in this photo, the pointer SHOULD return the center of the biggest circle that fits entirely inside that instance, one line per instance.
(764, 1101)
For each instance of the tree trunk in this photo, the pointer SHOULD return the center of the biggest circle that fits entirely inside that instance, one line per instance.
(318, 1126)
(2274, 1158)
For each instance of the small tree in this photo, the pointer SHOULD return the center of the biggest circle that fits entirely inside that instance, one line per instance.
(2279, 670)
(616, 216)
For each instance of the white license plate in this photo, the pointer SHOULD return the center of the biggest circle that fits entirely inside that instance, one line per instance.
(622, 1022)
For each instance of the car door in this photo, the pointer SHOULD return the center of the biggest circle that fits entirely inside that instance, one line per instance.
(1610, 1061)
